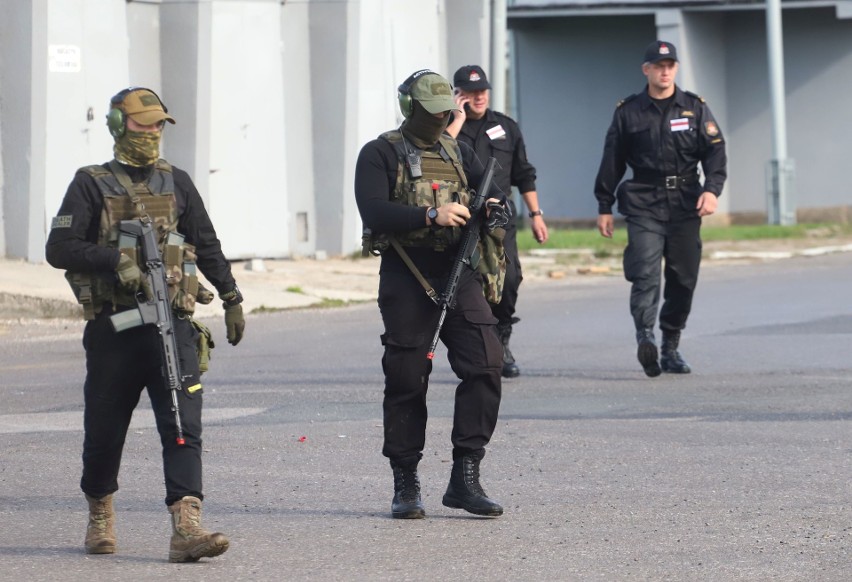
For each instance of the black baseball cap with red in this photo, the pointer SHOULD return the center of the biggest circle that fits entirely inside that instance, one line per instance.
(660, 50)
(471, 78)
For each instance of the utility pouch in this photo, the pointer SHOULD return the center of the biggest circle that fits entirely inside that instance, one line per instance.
(205, 296)
(373, 244)
(492, 264)
(205, 344)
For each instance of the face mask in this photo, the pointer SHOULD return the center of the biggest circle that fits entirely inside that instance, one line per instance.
(423, 128)
(138, 148)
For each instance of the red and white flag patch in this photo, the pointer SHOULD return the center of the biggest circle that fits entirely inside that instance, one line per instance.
(680, 124)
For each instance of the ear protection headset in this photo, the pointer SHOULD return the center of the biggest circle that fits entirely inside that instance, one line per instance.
(116, 119)
(406, 102)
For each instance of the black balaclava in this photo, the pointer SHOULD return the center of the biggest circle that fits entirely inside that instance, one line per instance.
(423, 128)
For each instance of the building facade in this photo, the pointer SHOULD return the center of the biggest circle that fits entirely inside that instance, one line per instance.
(273, 99)
(573, 60)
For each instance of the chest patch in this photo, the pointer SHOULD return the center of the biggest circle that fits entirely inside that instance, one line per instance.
(496, 132)
(680, 124)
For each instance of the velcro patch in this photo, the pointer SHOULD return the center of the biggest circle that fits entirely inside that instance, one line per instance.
(61, 221)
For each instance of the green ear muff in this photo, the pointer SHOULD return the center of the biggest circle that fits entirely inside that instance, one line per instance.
(116, 122)
(406, 104)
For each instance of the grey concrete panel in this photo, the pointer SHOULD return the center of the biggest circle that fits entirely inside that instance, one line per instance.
(17, 113)
(298, 113)
(328, 31)
(571, 73)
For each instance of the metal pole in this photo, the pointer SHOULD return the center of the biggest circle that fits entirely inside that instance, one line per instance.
(497, 72)
(780, 205)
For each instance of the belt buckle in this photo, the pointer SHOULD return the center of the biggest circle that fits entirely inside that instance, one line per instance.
(671, 182)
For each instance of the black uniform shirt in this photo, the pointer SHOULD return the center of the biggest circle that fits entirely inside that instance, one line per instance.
(375, 180)
(74, 247)
(500, 137)
(656, 144)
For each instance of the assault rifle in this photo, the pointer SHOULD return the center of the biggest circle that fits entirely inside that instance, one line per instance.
(155, 310)
(470, 236)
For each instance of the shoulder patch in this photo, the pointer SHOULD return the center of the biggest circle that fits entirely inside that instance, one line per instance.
(626, 100)
(63, 221)
(695, 96)
(711, 128)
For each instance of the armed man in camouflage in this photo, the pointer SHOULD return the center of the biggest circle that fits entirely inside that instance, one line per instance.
(84, 240)
(412, 186)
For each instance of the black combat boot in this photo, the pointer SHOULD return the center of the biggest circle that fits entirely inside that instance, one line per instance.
(647, 352)
(510, 368)
(464, 490)
(670, 359)
(406, 502)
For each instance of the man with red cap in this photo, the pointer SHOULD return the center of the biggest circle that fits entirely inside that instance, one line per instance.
(662, 133)
(492, 134)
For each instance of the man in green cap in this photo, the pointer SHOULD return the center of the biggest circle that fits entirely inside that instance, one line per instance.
(413, 188)
(139, 186)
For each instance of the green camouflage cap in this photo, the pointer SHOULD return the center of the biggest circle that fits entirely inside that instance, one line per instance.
(434, 93)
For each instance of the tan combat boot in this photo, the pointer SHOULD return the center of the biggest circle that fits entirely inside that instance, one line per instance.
(100, 532)
(189, 540)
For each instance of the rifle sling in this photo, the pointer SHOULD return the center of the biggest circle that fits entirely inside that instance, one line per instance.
(430, 291)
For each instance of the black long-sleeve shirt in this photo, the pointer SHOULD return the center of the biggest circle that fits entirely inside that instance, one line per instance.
(74, 247)
(656, 143)
(498, 135)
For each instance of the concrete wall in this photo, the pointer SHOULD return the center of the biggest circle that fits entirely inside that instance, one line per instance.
(817, 73)
(571, 72)
(273, 101)
(21, 45)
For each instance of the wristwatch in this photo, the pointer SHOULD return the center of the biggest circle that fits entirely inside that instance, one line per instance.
(432, 215)
(536, 213)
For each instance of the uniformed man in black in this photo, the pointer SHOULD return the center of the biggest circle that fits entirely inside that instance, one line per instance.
(138, 185)
(493, 134)
(412, 186)
(662, 134)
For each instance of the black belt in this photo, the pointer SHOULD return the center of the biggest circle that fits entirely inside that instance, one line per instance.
(667, 182)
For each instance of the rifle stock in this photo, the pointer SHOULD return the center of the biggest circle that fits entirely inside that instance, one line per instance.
(155, 310)
(470, 236)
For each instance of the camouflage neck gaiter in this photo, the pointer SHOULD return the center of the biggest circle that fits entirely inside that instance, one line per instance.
(423, 128)
(138, 148)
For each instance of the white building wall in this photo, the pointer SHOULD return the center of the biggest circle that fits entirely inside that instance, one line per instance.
(79, 90)
(298, 112)
(248, 173)
(273, 102)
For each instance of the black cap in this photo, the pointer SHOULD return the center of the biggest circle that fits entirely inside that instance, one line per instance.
(660, 50)
(471, 78)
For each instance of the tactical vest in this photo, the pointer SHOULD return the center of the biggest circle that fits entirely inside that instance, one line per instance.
(442, 181)
(152, 200)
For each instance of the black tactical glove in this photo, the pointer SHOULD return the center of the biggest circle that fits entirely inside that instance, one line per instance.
(498, 216)
(130, 277)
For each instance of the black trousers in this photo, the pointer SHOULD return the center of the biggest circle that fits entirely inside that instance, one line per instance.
(474, 352)
(505, 310)
(119, 366)
(649, 242)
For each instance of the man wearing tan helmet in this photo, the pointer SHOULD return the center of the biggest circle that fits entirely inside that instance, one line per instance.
(109, 278)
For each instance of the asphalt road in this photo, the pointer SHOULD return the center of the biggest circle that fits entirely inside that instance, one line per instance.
(739, 471)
